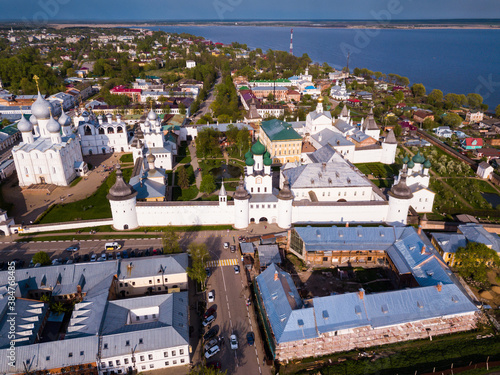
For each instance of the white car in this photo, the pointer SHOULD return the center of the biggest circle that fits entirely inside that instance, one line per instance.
(213, 342)
(211, 296)
(236, 269)
(226, 245)
(212, 351)
(234, 342)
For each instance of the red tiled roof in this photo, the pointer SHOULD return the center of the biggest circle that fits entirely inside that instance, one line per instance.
(474, 141)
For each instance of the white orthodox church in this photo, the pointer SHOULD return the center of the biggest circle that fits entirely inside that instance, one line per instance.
(49, 152)
(356, 144)
(99, 136)
(339, 93)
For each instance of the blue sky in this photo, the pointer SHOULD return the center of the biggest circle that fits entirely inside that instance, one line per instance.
(167, 10)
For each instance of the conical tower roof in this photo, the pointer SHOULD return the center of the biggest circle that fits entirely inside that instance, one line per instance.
(344, 112)
(120, 191)
(285, 193)
(391, 138)
(222, 191)
(241, 193)
(370, 123)
(401, 190)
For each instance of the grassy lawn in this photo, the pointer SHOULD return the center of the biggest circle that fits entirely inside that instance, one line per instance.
(127, 158)
(75, 181)
(383, 183)
(179, 194)
(190, 173)
(94, 207)
(379, 170)
(471, 189)
(412, 357)
(183, 159)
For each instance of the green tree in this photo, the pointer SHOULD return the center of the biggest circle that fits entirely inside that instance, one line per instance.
(207, 184)
(429, 124)
(399, 96)
(435, 97)
(452, 120)
(398, 130)
(474, 260)
(182, 108)
(182, 176)
(45, 298)
(497, 111)
(58, 308)
(474, 100)
(170, 242)
(199, 256)
(270, 97)
(41, 257)
(418, 89)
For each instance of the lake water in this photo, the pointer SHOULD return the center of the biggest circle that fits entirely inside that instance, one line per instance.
(493, 199)
(458, 61)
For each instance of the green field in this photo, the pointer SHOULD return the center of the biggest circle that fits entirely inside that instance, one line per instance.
(127, 158)
(179, 194)
(379, 170)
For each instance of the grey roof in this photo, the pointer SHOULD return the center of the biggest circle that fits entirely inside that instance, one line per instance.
(476, 233)
(369, 123)
(169, 264)
(247, 248)
(336, 173)
(169, 328)
(391, 138)
(322, 155)
(149, 189)
(343, 126)
(120, 190)
(449, 242)
(269, 254)
(315, 115)
(359, 136)
(29, 318)
(328, 136)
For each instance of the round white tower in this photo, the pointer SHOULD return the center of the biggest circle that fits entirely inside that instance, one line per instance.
(399, 202)
(389, 147)
(241, 206)
(122, 198)
(285, 201)
(222, 196)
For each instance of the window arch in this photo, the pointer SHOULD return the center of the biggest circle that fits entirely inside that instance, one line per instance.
(87, 130)
(101, 131)
(111, 130)
(119, 129)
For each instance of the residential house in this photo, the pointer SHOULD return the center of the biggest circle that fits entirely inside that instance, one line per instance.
(472, 143)
(484, 170)
(420, 116)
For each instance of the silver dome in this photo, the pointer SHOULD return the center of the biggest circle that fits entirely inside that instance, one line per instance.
(24, 126)
(33, 120)
(41, 108)
(53, 126)
(64, 119)
(152, 115)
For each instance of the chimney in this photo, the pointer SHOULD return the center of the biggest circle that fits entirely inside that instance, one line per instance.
(419, 229)
(275, 275)
(423, 250)
(439, 286)
(361, 293)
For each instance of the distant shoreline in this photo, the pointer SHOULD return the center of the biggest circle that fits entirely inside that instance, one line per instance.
(322, 25)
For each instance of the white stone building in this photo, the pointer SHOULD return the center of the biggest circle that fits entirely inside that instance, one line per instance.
(49, 152)
(339, 92)
(102, 137)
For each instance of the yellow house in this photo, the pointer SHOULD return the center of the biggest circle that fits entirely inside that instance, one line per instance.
(447, 245)
(281, 140)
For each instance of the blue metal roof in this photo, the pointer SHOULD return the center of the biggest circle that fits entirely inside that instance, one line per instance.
(476, 233)
(269, 254)
(450, 242)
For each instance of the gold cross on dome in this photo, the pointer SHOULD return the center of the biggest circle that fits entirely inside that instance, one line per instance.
(36, 78)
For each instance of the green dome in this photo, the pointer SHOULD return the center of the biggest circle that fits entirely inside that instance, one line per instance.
(411, 164)
(419, 158)
(248, 155)
(258, 148)
(268, 161)
(427, 164)
(267, 155)
(249, 162)
(406, 159)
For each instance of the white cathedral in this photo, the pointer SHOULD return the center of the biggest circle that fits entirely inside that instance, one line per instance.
(49, 152)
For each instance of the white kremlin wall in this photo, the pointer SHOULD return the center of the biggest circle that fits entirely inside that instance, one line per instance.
(339, 212)
(184, 213)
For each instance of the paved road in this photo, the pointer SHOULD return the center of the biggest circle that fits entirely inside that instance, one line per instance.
(205, 106)
(231, 290)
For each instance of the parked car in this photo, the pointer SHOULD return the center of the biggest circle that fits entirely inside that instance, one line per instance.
(210, 311)
(232, 248)
(236, 269)
(212, 332)
(72, 248)
(226, 245)
(86, 257)
(124, 254)
(208, 320)
(207, 270)
(118, 255)
(77, 258)
(132, 254)
(215, 365)
(211, 296)
(234, 342)
(211, 343)
(93, 258)
(56, 262)
(212, 351)
(250, 338)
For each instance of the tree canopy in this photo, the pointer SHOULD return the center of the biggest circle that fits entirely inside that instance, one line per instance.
(207, 184)
(474, 260)
(435, 97)
(418, 89)
(199, 256)
(170, 243)
(41, 257)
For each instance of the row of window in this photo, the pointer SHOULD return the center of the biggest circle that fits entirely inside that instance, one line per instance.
(262, 206)
(258, 189)
(142, 358)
